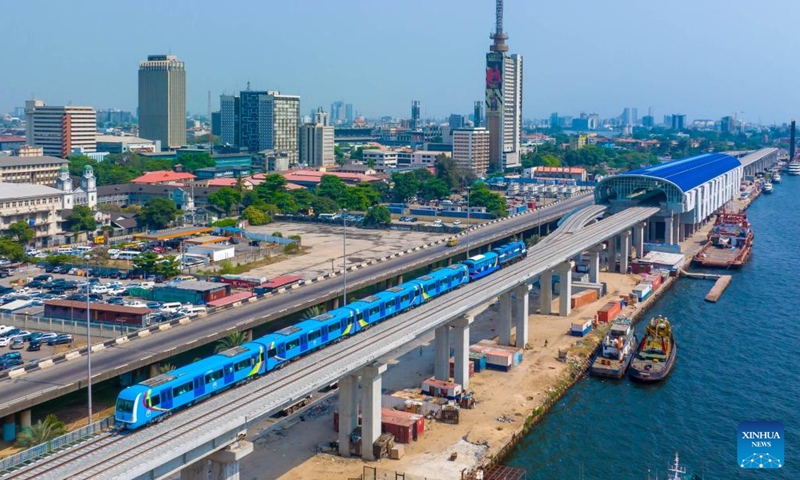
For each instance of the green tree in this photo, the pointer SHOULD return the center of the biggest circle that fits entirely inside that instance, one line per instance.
(406, 185)
(357, 199)
(11, 250)
(147, 262)
(168, 266)
(41, 432)
(434, 189)
(226, 267)
(226, 198)
(60, 259)
(21, 232)
(312, 312)
(158, 212)
(233, 339)
(225, 222)
(378, 215)
(324, 205)
(302, 198)
(495, 204)
(192, 161)
(78, 162)
(256, 216)
(291, 248)
(332, 187)
(166, 368)
(81, 219)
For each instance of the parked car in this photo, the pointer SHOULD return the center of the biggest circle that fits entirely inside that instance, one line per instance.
(4, 341)
(154, 305)
(116, 301)
(64, 338)
(17, 342)
(44, 278)
(34, 346)
(11, 363)
(11, 355)
(10, 333)
(58, 269)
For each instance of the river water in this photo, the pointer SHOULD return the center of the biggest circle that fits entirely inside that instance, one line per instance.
(738, 360)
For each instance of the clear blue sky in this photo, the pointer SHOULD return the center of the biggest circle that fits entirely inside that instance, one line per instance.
(705, 58)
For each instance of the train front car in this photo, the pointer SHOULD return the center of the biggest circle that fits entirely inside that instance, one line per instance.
(128, 414)
(511, 252)
(482, 265)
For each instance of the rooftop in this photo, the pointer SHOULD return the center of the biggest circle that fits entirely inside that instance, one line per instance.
(159, 176)
(105, 307)
(121, 139)
(196, 285)
(22, 161)
(17, 191)
(691, 172)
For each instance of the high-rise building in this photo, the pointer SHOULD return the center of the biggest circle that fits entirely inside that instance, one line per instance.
(162, 100)
(503, 99)
(338, 113)
(477, 114)
(229, 120)
(60, 130)
(414, 125)
(648, 121)
(316, 142)
(471, 149)
(678, 122)
(270, 121)
(349, 114)
(457, 121)
(216, 123)
(727, 124)
(630, 116)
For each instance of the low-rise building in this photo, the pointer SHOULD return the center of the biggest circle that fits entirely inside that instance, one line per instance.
(42, 170)
(382, 159)
(163, 177)
(574, 173)
(37, 205)
(98, 312)
(195, 292)
(124, 144)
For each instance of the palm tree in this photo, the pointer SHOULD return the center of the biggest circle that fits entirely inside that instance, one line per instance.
(41, 432)
(233, 339)
(166, 368)
(312, 312)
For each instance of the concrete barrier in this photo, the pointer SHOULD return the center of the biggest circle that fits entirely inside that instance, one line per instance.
(99, 347)
(72, 355)
(17, 372)
(184, 320)
(164, 326)
(144, 333)
(46, 363)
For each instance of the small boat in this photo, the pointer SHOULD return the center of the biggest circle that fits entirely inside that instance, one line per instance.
(656, 354)
(677, 472)
(776, 177)
(767, 187)
(616, 350)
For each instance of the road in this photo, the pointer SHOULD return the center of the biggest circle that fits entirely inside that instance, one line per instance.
(41, 385)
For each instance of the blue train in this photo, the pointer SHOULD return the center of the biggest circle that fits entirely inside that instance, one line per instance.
(155, 398)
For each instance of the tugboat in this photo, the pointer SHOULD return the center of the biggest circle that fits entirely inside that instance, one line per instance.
(656, 354)
(616, 351)
(729, 243)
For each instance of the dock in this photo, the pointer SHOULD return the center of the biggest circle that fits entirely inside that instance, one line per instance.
(722, 282)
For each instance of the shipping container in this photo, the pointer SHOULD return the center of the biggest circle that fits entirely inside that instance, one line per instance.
(609, 312)
(402, 429)
(581, 328)
(471, 367)
(478, 360)
(516, 352)
(642, 291)
(583, 298)
(496, 359)
(439, 388)
(417, 420)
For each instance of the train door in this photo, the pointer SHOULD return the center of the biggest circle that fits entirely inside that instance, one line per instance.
(228, 372)
(282, 351)
(303, 342)
(166, 398)
(199, 386)
(324, 331)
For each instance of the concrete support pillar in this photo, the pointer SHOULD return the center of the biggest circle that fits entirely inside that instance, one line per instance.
(9, 428)
(399, 279)
(348, 411)
(371, 407)
(504, 322)
(594, 263)
(441, 366)
(24, 419)
(335, 303)
(521, 314)
(565, 288)
(676, 225)
(153, 370)
(669, 231)
(449, 261)
(546, 294)
(461, 347)
(195, 471)
(625, 251)
(652, 230)
(225, 463)
(612, 254)
(248, 335)
(681, 231)
(638, 239)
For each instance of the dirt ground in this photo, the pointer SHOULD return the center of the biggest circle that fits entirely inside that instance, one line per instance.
(505, 399)
(326, 247)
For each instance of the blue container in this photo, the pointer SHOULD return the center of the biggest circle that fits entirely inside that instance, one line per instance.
(479, 360)
(9, 432)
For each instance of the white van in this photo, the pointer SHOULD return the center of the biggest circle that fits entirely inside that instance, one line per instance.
(64, 251)
(171, 307)
(82, 249)
(192, 311)
(126, 255)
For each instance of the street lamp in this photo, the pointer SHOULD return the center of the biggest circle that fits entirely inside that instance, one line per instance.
(88, 339)
(344, 253)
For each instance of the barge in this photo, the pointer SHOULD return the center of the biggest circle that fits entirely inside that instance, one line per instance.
(656, 354)
(729, 243)
(616, 352)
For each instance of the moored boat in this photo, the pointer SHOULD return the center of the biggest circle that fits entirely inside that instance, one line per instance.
(616, 350)
(656, 353)
(767, 187)
(730, 242)
(776, 177)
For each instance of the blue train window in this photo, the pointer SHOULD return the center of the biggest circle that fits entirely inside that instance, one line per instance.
(214, 376)
(293, 344)
(332, 329)
(374, 311)
(155, 400)
(314, 335)
(124, 406)
(244, 364)
(181, 389)
(272, 352)
(405, 298)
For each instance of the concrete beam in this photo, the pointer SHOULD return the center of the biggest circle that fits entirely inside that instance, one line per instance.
(461, 334)
(24, 419)
(371, 407)
(195, 471)
(225, 463)
(521, 314)
(546, 294)
(565, 288)
(441, 366)
(348, 411)
(504, 320)
(638, 238)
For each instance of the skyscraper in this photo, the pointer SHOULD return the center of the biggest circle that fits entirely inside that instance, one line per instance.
(414, 115)
(162, 100)
(456, 121)
(477, 114)
(229, 119)
(60, 130)
(269, 121)
(338, 112)
(503, 99)
(316, 142)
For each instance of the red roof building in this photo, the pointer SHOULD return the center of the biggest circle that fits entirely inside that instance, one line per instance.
(163, 177)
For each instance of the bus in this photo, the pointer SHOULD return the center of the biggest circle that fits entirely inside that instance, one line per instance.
(126, 255)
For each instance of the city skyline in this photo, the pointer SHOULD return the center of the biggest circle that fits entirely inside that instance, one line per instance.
(675, 62)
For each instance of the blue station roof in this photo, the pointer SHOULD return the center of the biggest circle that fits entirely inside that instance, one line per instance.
(691, 172)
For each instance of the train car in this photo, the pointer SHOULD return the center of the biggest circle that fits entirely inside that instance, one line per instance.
(441, 281)
(510, 252)
(338, 323)
(161, 395)
(481, 265)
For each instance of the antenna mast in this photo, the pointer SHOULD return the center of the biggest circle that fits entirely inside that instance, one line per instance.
(498, 36)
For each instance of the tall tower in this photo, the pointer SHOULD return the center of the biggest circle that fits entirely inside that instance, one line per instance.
(162, 100)
(477, 114)
(414, 115)
(89, 185)
(503, 99)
